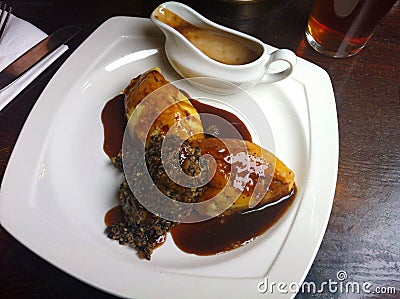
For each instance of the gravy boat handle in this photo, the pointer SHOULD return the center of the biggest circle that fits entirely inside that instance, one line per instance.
(279, 55)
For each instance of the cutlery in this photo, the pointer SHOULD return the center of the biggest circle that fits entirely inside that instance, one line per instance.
(3, 25)
(35, 54)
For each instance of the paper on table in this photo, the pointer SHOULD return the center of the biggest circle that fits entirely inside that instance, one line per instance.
(18, 37)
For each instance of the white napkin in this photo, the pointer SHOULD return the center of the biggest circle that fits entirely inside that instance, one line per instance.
(19, 37)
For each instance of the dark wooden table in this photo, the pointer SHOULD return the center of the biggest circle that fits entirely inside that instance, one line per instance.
(362, 237)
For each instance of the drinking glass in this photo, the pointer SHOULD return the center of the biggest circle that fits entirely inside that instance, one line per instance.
(341, 28)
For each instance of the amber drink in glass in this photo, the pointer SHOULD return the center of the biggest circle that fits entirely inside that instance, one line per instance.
(341, 28)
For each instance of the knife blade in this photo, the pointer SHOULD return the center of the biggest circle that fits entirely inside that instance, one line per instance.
(35, 54)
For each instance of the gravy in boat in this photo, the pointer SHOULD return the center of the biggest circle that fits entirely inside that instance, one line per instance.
(221, 46)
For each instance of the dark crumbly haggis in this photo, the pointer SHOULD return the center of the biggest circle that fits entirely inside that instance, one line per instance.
(186, 160)
(117, 161)
(142, 229)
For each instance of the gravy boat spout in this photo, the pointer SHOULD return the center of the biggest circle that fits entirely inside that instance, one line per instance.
(219, 58)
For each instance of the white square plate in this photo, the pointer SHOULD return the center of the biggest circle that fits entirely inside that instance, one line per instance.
(59, 183)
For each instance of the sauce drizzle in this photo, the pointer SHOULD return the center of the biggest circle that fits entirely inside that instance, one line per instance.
(225, 233)
(114, 123)
(224, 124)
(114, 215)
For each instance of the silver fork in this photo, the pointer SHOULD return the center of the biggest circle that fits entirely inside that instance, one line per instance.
(3, 21)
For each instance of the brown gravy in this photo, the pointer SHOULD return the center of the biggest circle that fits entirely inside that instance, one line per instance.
(224, 130)
(114, 215)
(212, 236)
(225, 233)
(114, 123)
(221, 46)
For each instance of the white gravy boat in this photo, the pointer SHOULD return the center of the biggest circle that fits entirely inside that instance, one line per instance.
(217, 58)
